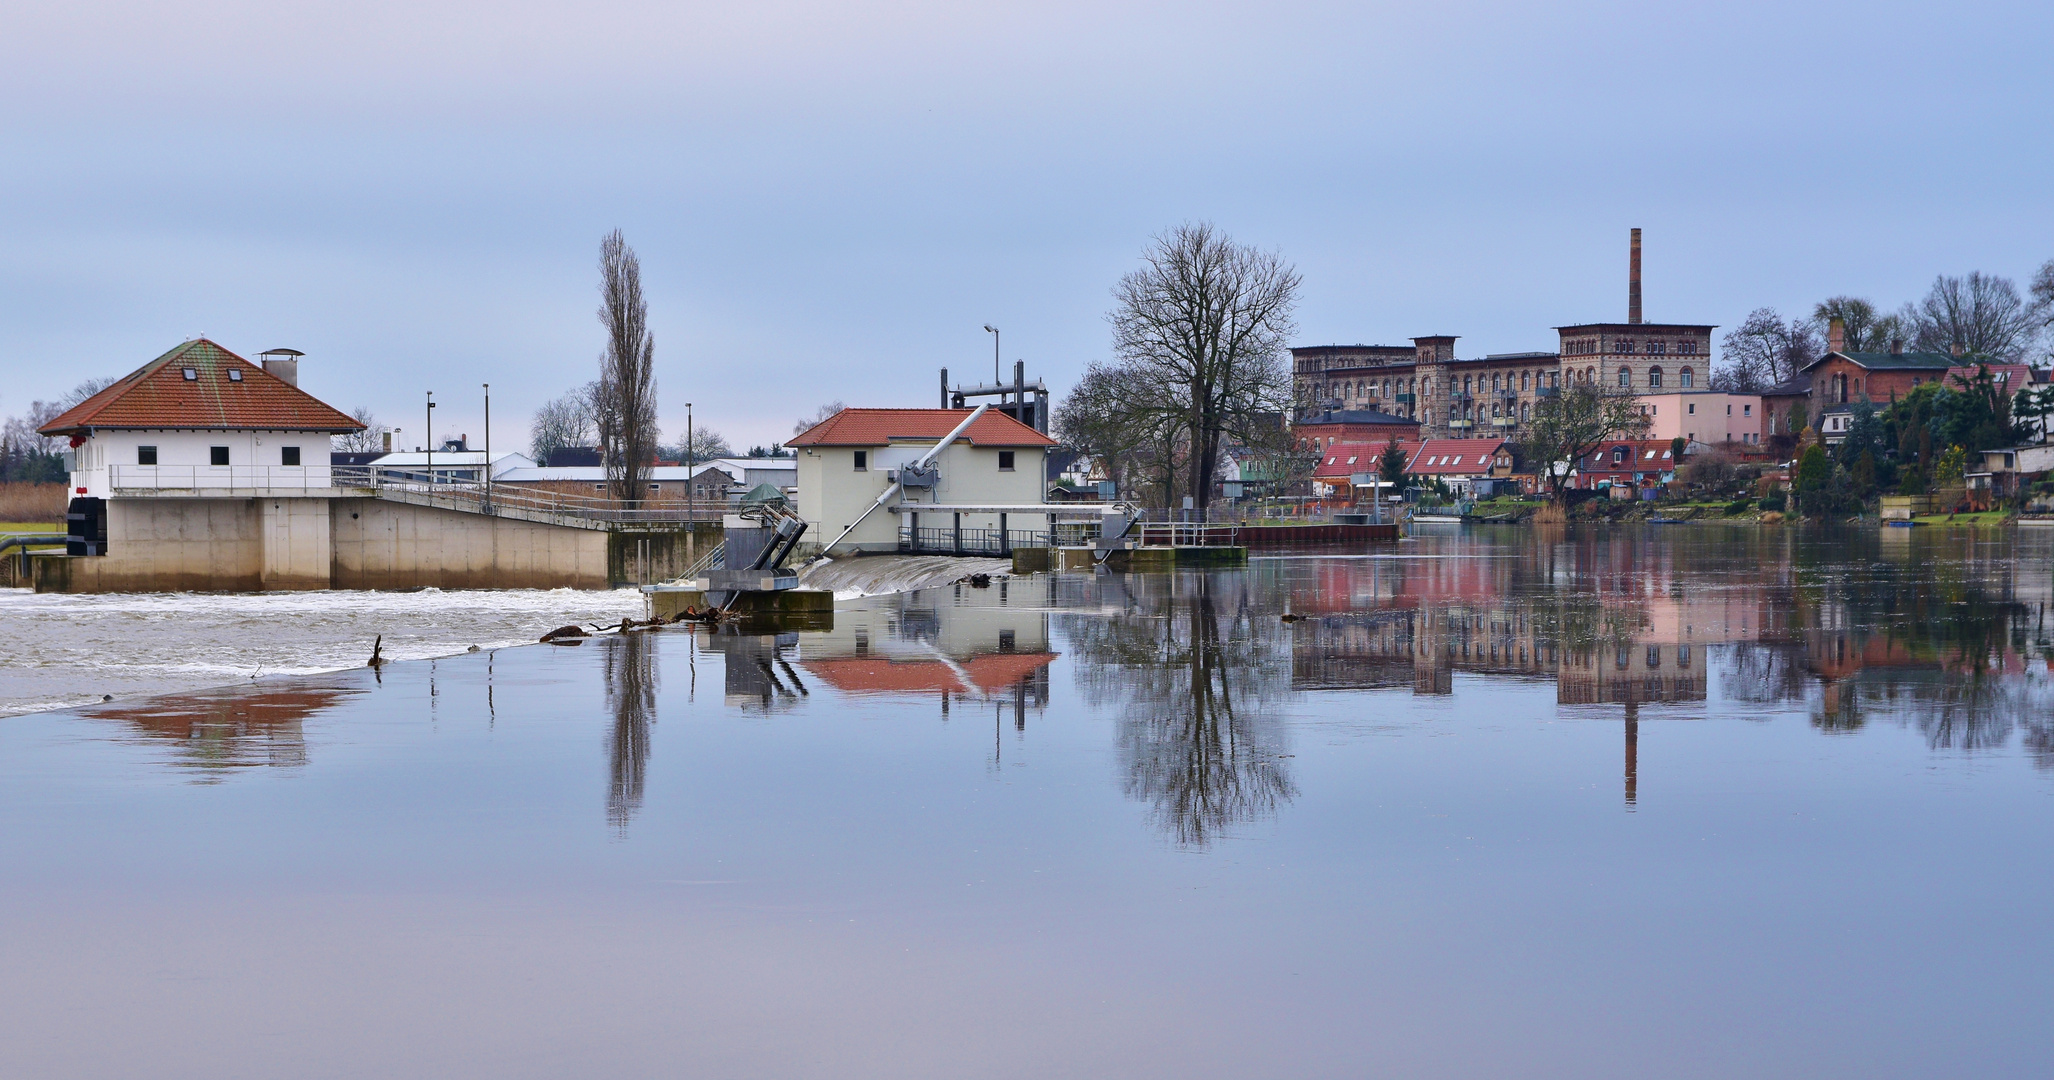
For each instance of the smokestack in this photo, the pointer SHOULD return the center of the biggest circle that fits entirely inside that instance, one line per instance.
(284, 363)
(1836, 334)
(1633, 282)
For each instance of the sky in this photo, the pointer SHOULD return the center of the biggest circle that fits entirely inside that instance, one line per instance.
(830, 201)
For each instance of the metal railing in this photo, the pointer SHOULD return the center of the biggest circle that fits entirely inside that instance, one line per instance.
(952, 541)
(441, 489)
(1187, 534)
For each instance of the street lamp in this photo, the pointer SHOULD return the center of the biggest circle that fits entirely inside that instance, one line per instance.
(488, 444)
(691, 484)
(428, 438)
(994, 353)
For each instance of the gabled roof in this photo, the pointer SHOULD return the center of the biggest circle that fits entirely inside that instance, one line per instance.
(1434, 457)
(1354, 416)
(1883, 361)
(158, 395)
(880, 427)
(1642, 455)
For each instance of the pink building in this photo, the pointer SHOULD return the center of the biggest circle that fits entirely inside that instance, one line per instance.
(1704, 416)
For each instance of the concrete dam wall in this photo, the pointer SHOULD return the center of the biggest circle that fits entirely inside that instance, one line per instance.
(251, 545)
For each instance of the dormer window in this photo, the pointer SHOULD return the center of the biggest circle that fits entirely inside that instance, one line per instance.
(234, 374)
(192, 375)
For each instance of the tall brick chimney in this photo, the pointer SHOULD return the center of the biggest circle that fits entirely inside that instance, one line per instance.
(1836, 334)
(1633, 282)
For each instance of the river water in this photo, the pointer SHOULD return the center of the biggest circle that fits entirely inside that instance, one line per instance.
(1677, 802)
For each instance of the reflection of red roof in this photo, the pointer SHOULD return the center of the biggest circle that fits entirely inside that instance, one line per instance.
(878, 675)
(158, 395)
(878, 427)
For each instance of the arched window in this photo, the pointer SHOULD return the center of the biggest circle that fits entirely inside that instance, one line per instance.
(1625, 377)
(1590, 374)
(1683, 378)
(1494, 381)
(1525, 380)
(1465, 384)
(1654, 378)
(1525, 410)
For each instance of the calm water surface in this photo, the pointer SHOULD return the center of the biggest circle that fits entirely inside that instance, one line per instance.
(1679, 802)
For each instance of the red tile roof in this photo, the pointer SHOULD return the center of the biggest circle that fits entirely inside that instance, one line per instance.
(158, 395)
(2010, 378)
(1434, 457)
(878, 427)
(1454, 457)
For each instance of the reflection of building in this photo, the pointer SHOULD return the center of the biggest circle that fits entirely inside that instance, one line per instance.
(1630, 673)
(228, 729)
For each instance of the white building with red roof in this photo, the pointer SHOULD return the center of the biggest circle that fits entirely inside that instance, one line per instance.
(991, 476)
(202, 418)
(1455, 461)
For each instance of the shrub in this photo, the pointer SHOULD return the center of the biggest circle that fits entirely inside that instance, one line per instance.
(1773, 501)
(1739, 506)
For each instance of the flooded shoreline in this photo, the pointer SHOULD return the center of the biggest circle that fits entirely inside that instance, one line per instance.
(1607, 806)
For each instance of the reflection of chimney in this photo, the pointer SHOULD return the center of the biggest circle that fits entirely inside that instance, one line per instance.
(1633, 282)
(1836, 334)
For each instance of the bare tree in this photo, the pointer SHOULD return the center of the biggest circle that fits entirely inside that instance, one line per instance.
(1982, 313)
(1130, 424)
(2042, 290)
(565, 422)
(1865, 328)
(368, 440)
(819, 414)
(1207, 320)
(625, 405)
(706, 444)
(1764, 351)
(1573, 422)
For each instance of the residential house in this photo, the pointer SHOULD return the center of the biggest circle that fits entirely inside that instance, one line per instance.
(1704, 416)
(1637, 463)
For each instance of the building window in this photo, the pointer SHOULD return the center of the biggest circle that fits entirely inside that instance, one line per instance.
(1625, 377)
(1590, 375)
(1554, 379)
(1745, 410)
(1005, 461)
(1688, 348)
(1618, 455)
(217, 455)
(862, 461)
(1525, 410)
(190, 374)
(1654, 377)
(1656, 348)
(288, 455)
(1525, 380)
(1654, 656)
(1685, 378)
(1623, 348)
(146, 455)
(1691, 408)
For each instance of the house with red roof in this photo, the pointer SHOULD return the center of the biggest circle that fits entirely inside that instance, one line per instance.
(1344, 466)
(990, 478)
(201, 417)
(1627, 463)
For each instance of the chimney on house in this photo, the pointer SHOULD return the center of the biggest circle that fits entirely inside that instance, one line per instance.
(284, 363)
(1896, 344)
(1836, 334)
(1956, 349)
(1633, 281)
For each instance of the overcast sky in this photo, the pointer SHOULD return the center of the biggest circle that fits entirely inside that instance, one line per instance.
(831, 200)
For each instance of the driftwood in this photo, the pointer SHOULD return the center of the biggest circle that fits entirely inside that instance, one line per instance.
(566, 635)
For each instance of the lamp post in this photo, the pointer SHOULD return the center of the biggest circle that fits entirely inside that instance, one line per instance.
(994, 353)
(488, 446)
(691, 484)
(428, 438)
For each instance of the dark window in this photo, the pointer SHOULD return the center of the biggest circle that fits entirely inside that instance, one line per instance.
(146, 455)
(217, 455)
(1005, 461)
(288, 455)
(862, 461)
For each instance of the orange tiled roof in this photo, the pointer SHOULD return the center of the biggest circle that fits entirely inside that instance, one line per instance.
(878, 427)
(158, 395)
(1343, 460)
(1454, 457)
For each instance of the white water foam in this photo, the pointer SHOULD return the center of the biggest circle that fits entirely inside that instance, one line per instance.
(872, 575)
(68, 649)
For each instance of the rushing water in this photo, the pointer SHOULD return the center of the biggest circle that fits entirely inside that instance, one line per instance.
(1686, 802)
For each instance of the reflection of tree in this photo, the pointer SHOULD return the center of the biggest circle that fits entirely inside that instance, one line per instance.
(631, 697)
(1199, 689)
(1762, 673)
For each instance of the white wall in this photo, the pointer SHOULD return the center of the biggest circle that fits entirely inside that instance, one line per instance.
(832, 493)
(184, 460)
